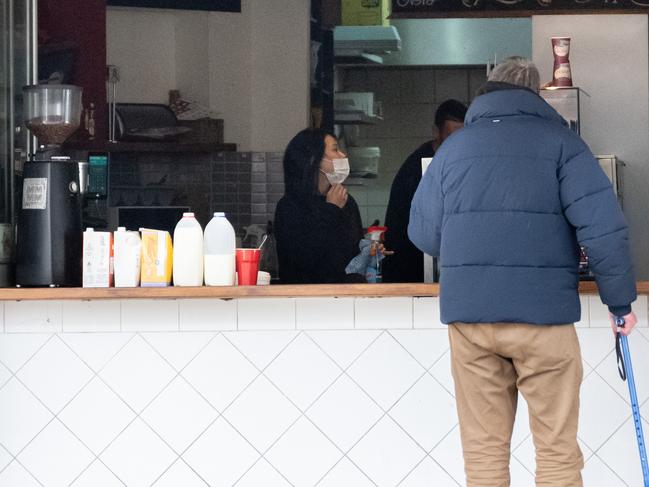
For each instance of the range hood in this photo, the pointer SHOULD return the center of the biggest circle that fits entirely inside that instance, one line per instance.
(365, 44)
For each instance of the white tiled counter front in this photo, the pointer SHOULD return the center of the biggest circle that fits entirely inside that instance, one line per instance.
(266, 392)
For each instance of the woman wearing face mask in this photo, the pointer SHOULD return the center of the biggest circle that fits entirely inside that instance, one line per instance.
(317, 223)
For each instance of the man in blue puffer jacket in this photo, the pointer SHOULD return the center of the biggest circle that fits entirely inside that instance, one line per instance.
(506, 203)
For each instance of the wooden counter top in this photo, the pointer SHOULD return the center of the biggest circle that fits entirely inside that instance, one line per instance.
(287, 291)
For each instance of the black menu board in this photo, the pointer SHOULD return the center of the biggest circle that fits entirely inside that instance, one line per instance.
(511, 8)
(209, 5)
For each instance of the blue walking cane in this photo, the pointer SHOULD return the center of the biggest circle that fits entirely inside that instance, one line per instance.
(626, 372)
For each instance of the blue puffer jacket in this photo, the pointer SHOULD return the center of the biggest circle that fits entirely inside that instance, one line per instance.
(505, 204)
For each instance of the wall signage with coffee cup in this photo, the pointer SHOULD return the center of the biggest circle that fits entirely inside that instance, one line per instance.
(511, 8)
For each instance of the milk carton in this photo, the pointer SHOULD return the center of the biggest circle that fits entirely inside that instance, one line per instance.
(97, 259)
(127, 248)
(157, 258)
(188, 252)
(219, 250)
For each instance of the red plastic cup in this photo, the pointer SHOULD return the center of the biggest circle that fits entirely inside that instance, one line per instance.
(247, 261)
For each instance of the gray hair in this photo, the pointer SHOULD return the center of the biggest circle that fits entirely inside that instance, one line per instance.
(517, 70)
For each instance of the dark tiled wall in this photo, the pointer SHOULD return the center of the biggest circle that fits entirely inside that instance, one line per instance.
(245, 185)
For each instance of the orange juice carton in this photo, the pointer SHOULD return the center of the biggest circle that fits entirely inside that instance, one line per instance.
(157, 258)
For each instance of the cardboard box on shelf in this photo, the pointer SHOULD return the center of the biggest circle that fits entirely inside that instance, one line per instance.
(365, 12)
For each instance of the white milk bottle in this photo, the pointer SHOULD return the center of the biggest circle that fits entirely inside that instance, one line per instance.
(219, 249)
(188, 252)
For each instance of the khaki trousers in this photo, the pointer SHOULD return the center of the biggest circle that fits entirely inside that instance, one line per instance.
(491, 362)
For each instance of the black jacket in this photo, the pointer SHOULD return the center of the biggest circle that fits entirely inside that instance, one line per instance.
(316, 240)
(407, 263)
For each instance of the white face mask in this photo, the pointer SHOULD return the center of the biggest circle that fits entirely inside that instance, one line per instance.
(341, 171)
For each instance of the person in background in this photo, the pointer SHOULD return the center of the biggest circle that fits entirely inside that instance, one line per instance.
(407, 263)
(317, 223)
(506, 205)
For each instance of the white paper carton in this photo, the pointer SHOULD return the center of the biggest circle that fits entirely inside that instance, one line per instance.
(97, 258)
(127, 247)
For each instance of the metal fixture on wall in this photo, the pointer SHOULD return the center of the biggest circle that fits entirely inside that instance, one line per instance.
(113, 79)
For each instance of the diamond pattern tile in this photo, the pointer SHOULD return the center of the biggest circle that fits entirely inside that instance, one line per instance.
(97, 475)
(426, 395)
(261, 414)
(138, 456)
(426, 346)
(345, 473)
(620, 452)
(442, 372)
(5, 375)
(179, 474)
(596, 344)
(16, 475)
(386, 371)
(17, 348)
(137, 373)
(96, 416)
(22, 416)
(597, 473)
(262, 473)
(386, 454)
(643, 331)
(519, 475)
(221, 455)
(304, 455)
(5, 458)
(525, 453)
(521, 423)
(602, 406)
(178, 348)
(448, 453)
(427, 473)
(344, 346)
(55, 457)
(55, 374)
(96, 349)
(302, 371)
(344, 413)
(179, 414)
(261, 347)
(607, 369)
(220, 372)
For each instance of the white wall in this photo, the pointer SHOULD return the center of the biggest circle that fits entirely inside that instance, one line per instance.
(142, 44)
(192, 55)
(250, 68)
(280, 71)
(230, 64)
(609, 60)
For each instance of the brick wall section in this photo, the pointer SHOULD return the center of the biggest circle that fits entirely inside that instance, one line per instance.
(245, 185)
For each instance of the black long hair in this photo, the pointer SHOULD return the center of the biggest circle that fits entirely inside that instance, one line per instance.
(302, 162)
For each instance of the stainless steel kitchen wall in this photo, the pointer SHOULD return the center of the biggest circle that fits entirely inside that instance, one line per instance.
(459, 42)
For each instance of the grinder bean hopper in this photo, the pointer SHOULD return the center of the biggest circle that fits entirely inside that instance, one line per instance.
(49, 222)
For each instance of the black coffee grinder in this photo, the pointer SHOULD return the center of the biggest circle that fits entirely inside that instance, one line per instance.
(49, 222)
